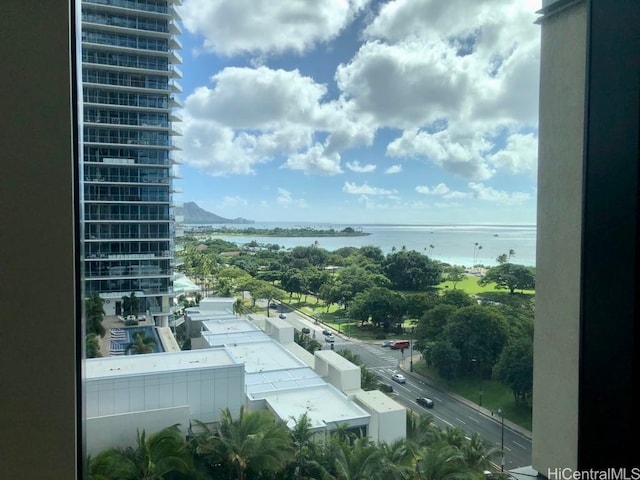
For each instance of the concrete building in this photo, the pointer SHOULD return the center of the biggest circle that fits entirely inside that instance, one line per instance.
(153, 391)
(129, 86)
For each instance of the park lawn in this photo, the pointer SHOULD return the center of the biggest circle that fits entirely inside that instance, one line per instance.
(488, 393)
(470, 286)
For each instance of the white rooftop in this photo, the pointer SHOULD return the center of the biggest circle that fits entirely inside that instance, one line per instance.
(325, 406)
(227, 326)
(116, 366)
(277, 380)
(264, 355)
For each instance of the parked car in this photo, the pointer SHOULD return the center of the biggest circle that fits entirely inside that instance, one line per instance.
(399, 344)
(329, 339)
(326, 332)
(386, 343)
(425, 402)
(398, 377)
(306, 330)
(283, 315)
(273, 305)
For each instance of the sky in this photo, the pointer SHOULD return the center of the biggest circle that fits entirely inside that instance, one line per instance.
(361, 111)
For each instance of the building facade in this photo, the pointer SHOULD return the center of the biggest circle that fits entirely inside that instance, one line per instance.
(129, 86)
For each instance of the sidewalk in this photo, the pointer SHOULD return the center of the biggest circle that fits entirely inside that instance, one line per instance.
(403, 365)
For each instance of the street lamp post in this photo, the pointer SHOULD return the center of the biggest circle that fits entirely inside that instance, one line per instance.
(501, 439)
(411, 354)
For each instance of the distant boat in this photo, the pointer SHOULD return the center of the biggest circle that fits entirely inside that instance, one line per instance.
(495, 234)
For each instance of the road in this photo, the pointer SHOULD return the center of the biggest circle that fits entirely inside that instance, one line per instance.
(447, 412)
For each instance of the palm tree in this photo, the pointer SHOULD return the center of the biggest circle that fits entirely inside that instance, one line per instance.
(131, 305)
(512, 253)
(306, 449)
(441, 462)
(94, 314)
(402, 455)
(239, 307)
(421, 430)
(152, 458)
(254, 442)
(362, 460)
(478, 453)
(142, 344)
(92, 346)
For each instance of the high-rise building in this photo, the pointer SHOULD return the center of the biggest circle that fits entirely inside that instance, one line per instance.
(129, 82)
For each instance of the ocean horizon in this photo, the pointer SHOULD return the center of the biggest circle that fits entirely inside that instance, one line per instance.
(456, 244)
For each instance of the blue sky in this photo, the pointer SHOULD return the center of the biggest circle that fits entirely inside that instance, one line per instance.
(361, 111)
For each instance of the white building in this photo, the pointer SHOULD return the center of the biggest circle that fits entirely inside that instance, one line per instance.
(250, 361)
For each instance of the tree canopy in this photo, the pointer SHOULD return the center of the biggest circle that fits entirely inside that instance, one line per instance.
(510, 276)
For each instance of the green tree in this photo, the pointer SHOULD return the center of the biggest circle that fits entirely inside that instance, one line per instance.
(153, 458)
(444, 357)
(479, 334)
(431, 326)
(142, 344)
(360, 460)
(515, 368)
(382, 306)
(253, 444)
(421, 430)
(412, 271)
(131, 305)
(94, 313)
(92, 346)
(455, 274)
(502, 258)
(418, 304)
(267, 292)
(478, 454)
(441, 462)
(457, 298)
(510, 276)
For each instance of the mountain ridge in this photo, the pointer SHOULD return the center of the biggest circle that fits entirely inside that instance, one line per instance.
(193, 214)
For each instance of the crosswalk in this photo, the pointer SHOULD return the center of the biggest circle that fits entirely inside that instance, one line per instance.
(389, 358)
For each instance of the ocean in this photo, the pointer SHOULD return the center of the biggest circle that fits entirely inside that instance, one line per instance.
(465, 245)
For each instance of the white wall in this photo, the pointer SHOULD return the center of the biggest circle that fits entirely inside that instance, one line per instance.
(337, 370)
(121, 430)
(206, 391)
(388, 418)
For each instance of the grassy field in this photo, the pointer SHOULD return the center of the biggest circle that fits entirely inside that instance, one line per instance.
(487, 393)
(470, 286)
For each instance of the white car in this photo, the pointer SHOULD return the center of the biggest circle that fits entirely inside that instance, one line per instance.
(398, 377)
(329, 338)
(283, 315)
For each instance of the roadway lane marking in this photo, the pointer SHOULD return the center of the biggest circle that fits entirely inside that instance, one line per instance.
(443, 420)
(521, 446)
(507, 448)
(474, 419)
(461, 421)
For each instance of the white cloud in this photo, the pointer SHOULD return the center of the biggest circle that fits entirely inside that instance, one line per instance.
(264, 26)
(315, 161)
(519, 156)
(481, 192)
(439, 189)
(460, 154)
(365, 189)
(259, 98)
(457, 195)
(234, 201)
(393, 169)
(473, 65)
(285, 199)
(356, 167)
(252, 116)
